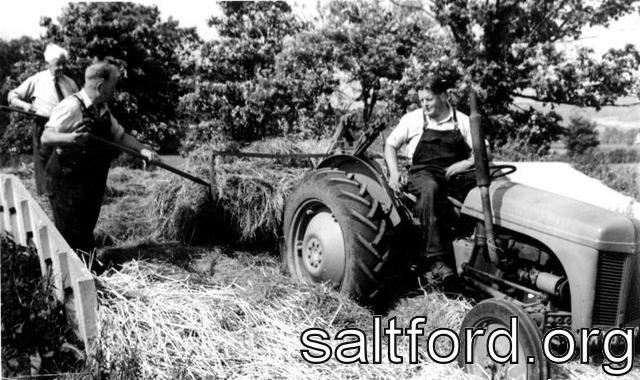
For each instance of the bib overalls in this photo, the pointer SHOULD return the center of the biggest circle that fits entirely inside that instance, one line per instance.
(435, 151)
(76, 181)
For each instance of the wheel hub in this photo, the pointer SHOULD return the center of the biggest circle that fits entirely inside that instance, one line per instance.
(486, 367)
(322, 252)
(314, 253)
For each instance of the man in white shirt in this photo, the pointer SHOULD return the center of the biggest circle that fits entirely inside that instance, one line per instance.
(78, 168)
(40, 93)
(438, 143)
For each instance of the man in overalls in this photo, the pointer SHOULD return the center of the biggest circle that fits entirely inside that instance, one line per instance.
(39, 94)
(438, 144)
(78, 167)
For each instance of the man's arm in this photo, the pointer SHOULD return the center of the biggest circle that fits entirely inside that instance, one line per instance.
(133, 143)
(65, 126)
(459, 167)
(125, 139)
(52, 137)
(391, 158)
(18, 96)
(397, 138)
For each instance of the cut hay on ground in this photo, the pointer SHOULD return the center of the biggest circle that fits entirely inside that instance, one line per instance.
(125, 212)
(247, 199)
(159, 321)
(241, 318)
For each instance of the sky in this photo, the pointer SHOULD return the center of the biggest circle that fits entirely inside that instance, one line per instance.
(21, 17)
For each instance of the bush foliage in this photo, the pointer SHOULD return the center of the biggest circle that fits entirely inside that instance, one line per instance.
(580, 136)
(35, 336)
(271, 74)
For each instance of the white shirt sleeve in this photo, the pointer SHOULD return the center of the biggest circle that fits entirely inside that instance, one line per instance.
(65, 117)
(24, 91)
(400, 134)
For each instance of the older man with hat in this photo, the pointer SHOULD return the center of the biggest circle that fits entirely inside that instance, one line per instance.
(40, 93)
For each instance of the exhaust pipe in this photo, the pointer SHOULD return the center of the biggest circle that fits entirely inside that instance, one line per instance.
(483, 177)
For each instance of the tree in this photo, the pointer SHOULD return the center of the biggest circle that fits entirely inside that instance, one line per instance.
(372, 45)
(245, 87)
(148, 51)
(580, 136)
(509, 49)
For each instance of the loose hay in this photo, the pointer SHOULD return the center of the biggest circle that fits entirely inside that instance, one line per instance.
(158, 321)
(248, 196)
(125, 212)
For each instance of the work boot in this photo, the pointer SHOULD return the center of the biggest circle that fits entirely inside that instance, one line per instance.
(440, 271)
(438, 276)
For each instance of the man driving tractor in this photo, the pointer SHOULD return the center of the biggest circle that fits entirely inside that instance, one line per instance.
(438, 145)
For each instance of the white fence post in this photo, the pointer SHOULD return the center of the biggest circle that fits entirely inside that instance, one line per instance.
(21, 216)
(10, 206)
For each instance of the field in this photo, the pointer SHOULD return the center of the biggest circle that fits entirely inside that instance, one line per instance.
(173, 311)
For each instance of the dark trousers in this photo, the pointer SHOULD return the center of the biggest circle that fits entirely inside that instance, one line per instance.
(38, 160)
(431, 202)
(76, 207)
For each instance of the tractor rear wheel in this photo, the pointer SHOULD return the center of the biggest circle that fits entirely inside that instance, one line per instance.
(336, 232)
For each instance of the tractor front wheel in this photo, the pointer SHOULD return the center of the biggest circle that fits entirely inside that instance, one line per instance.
(336, 232)
(495, 314)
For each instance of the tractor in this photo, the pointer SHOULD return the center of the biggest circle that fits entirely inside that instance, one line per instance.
(552, 261)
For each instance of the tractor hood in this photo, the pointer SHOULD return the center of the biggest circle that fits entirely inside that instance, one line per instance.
(558, 216)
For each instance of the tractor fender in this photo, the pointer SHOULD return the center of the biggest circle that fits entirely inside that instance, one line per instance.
(370, 174)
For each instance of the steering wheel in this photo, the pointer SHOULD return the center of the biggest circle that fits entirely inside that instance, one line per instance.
(495, 171)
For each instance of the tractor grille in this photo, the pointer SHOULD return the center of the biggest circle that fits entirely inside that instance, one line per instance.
(633, 308)
(633, 304)
(608, 288)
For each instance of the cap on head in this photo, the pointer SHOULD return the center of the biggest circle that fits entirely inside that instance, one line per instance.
(53, 52)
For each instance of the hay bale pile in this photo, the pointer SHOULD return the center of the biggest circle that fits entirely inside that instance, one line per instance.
(247, 199)
(160, 321)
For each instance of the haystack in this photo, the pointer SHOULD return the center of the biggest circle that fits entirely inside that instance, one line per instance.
(247, 198)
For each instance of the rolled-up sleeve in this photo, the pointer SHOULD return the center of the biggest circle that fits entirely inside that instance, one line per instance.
(65, 116)
(400, 134)
(24, 91)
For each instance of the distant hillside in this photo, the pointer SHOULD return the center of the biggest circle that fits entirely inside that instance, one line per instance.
(617, 117)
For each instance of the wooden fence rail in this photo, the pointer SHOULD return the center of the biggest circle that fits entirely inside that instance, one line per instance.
(23, 218)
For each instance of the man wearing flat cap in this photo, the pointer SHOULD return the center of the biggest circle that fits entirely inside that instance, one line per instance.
(40, 93)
